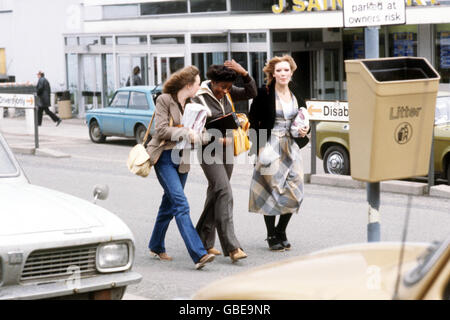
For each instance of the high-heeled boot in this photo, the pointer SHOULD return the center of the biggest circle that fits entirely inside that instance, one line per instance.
(274, 243)
(283, 240)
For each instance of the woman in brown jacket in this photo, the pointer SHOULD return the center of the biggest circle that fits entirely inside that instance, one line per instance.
(177, 91)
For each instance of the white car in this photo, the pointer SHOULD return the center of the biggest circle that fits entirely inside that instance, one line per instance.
(56, 245)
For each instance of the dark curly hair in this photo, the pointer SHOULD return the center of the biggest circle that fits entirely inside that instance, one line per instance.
(220, 73)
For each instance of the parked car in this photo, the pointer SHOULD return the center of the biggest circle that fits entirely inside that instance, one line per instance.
(359, 272)
(55, 245)
(127, 115)
(332, 143)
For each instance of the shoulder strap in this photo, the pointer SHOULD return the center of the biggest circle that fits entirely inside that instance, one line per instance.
(231, 102)
(150, 126)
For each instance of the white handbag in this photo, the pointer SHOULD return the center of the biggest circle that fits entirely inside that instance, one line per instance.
(138, 159)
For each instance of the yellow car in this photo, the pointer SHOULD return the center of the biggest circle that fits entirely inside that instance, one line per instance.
(332, 143)
(360, 271)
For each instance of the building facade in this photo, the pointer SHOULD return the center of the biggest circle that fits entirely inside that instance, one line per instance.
(31, 38)
(162, 36)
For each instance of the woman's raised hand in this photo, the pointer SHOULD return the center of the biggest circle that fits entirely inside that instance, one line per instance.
(233, 65)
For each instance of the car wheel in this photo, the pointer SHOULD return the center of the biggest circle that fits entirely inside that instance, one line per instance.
(448, 173)
(336, 160)
(139, 133)
(95, 133)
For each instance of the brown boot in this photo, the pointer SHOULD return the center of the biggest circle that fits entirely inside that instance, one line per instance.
(161, 256)
(237, 254)
(214, 251)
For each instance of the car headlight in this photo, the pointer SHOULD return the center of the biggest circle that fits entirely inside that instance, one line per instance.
(112, 257)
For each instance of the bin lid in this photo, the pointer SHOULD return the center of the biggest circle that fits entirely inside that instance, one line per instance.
(400, 69)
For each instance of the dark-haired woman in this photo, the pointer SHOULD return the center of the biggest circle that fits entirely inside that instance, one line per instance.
(218, 209)
(177, 91)
(277, 184)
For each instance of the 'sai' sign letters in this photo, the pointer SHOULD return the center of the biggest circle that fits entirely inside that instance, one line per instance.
(366, 13)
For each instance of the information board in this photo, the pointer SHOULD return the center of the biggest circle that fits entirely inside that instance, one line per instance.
(366, 13)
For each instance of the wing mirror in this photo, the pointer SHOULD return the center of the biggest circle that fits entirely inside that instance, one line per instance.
(101, 192)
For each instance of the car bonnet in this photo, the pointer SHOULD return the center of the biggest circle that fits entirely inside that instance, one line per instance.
(25, 208)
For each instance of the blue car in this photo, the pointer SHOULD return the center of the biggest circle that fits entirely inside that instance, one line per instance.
(127, 115)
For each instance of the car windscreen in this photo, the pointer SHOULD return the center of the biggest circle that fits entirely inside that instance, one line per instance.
(442, 114)
(7, 166)
(426, 261)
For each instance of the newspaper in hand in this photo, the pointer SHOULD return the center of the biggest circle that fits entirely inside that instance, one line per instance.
(194, 118)
(300, 121)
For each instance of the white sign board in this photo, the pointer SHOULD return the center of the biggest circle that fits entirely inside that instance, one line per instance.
(327, 110)
(366, 13)
(16, 100)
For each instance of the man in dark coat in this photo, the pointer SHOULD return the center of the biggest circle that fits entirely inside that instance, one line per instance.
(43, 92)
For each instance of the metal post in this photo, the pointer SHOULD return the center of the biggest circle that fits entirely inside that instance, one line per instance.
(431, 167)
(313, 147)
(371, 44)
(36, 131)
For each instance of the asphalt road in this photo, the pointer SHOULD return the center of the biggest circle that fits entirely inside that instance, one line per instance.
(329, 216)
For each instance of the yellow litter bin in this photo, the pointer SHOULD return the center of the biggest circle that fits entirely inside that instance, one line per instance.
(64, 105)
(391, 116)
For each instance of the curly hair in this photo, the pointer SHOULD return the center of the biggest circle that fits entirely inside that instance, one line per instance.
(180, 79)
(220, 73)
(269, 68)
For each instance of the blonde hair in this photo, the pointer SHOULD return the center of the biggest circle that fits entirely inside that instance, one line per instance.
(269, 68)
(180, 79)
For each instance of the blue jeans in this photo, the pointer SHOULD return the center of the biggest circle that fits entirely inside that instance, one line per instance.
(174, 204)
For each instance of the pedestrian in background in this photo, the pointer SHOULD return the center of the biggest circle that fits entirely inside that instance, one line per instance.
(218, 208)
(136, 80)
(43, 102)
(277, 183)
(177, 91)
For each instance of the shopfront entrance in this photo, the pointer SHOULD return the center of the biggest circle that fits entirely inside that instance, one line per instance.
(126, 64)
(318, 74)
(164, 65)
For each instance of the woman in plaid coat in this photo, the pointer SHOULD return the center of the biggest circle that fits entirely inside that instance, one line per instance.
(277, 184)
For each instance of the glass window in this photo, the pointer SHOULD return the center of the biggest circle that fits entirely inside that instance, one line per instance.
(120, 11)
(258, 37)
(203, 60)
(167, 39)
(306, 35)
(258, 60)
(72, 75)
(353, 43)
(88, 41)
(241, 58)
(108, 76)
(164, 7)
(443, 51)
(120, 100)
(207, 38)
(239, 37)
(252, 5)
(138, 101)
(106, 40)
(279, 36)
(132, 40)
(71, 41)
(402, 41)
(208, 5)
(442, 113)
